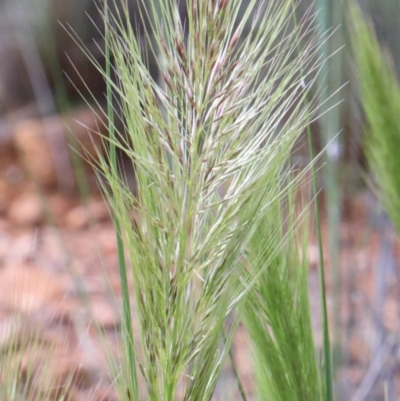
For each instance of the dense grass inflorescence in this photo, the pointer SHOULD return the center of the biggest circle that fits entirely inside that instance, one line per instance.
(210, 144)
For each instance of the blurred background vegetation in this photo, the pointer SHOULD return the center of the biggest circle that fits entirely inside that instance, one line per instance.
(43, 74)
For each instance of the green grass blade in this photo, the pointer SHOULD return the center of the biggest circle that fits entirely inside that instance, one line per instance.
(321, 265)
(331, 17)
(127, 315)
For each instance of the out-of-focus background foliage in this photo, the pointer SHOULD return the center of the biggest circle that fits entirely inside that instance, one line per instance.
(44, 79)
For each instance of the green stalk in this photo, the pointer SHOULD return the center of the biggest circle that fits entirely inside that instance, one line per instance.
(127, 314)
(321, 264)
(331, 17)
(326, 339)
(235, 372)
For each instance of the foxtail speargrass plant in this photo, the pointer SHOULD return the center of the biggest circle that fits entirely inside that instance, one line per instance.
(380, 98)
(210, 144)
(277, 311)
(25, 364)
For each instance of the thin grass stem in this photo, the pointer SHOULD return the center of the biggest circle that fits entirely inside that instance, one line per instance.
(321, 264)
(127, 314)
